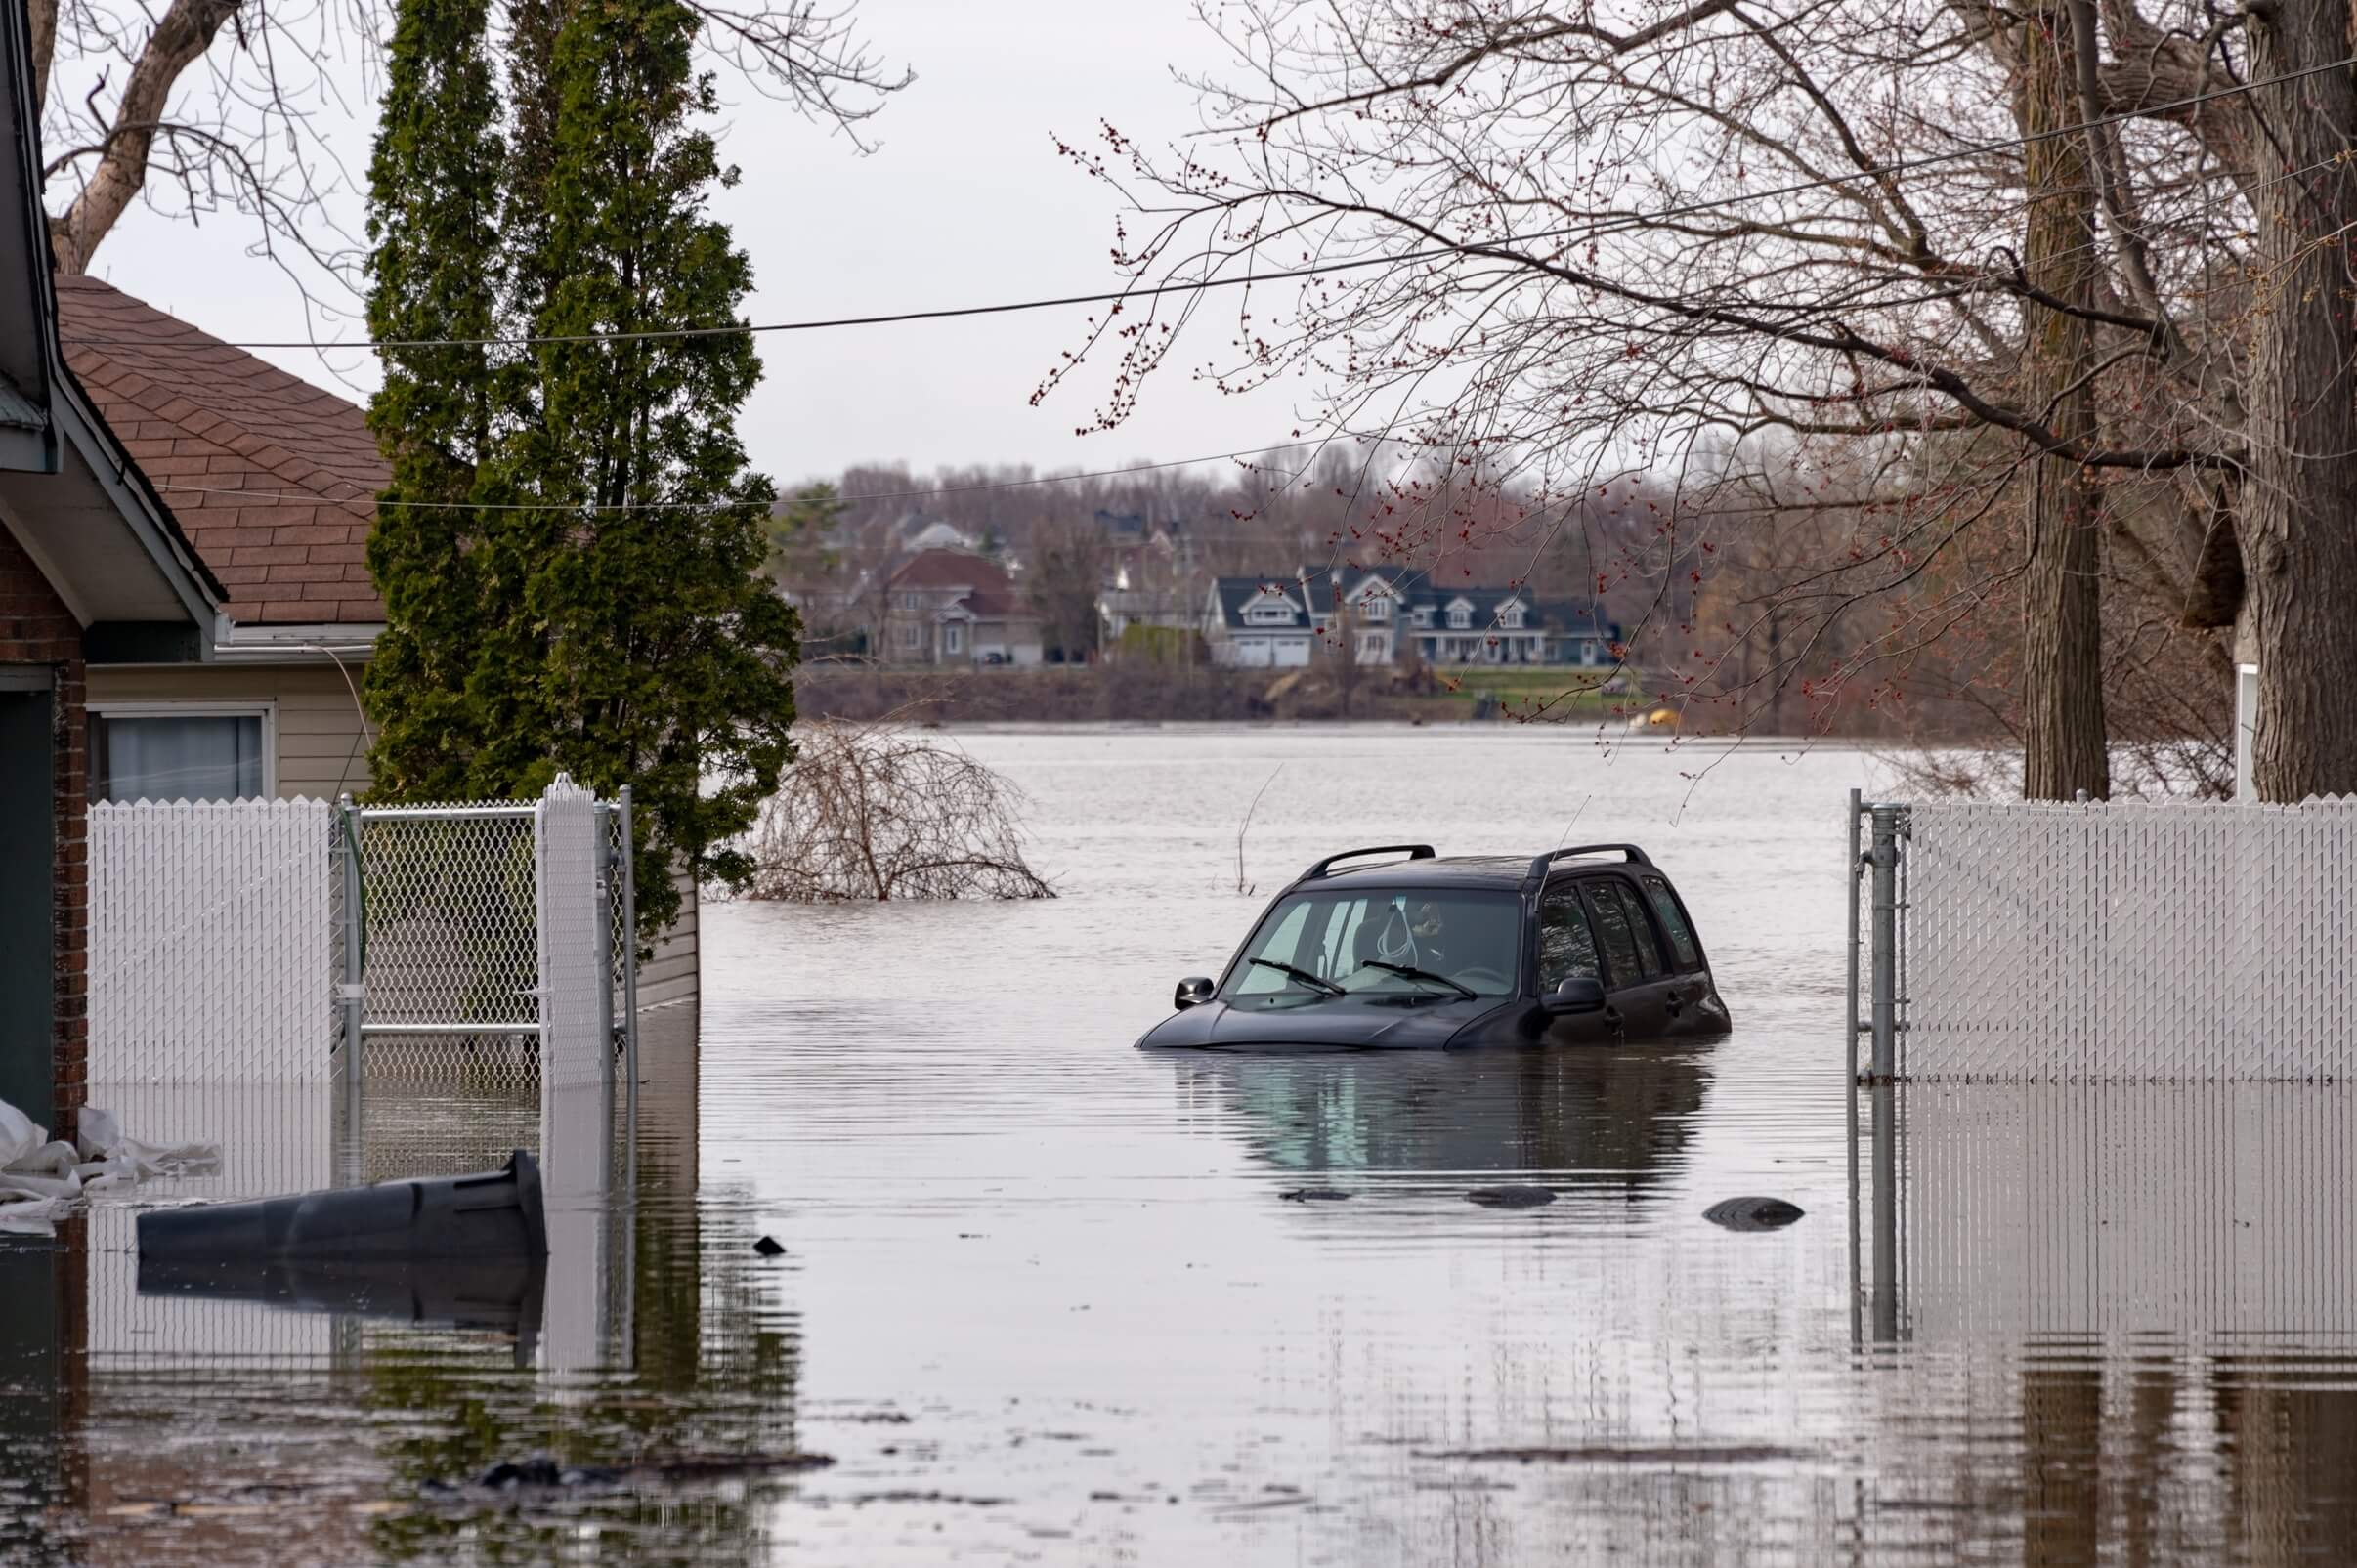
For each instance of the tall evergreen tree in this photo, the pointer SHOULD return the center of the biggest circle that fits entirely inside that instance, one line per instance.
(433, 273)
(667, 661)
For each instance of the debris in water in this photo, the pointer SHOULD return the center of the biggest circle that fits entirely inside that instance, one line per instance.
(1753, 1213)
(768, 1247)
(1510, 1197)
(1314, 1195)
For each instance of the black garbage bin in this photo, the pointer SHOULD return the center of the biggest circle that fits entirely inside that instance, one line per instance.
(496, 1214)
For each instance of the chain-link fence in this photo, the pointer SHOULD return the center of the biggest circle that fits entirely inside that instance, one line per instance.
(443, 937)
(2045, 940)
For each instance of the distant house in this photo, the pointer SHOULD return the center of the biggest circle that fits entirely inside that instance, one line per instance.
(937, 535)
(1390, 612)
(1258, 623)
(950, 607)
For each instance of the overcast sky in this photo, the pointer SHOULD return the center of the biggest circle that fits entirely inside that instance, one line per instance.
(965, 203)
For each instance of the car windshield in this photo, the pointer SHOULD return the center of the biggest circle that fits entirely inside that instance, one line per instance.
(1401, 942)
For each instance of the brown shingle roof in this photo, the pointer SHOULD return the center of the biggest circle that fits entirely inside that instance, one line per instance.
(273, 479)
(951, 568)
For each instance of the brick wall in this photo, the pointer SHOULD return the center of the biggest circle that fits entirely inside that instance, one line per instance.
(36, 628)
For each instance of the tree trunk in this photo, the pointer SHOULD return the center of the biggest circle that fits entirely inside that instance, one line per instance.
(2063, 731)
(2299, 510)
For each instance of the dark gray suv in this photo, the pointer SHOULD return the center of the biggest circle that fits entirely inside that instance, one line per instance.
(1423, 953)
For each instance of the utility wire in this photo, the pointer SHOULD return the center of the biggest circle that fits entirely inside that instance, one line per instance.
(1155, 290)
(309, 498)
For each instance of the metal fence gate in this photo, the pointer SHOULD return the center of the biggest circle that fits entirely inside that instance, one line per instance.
(2025, 940)
(486, 956)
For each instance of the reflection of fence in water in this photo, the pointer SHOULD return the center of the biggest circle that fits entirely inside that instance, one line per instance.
(2050, 1209)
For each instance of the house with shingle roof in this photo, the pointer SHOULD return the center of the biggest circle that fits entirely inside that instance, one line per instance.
(274, 481)
(93, 573)
(952, 607)
(1390, 611)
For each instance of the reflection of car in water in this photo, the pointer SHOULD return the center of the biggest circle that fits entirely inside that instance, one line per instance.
(1492, 951)
(1626, 1114)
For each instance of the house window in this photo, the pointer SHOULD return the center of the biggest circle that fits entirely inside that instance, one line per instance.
(911, 634)
(1373, 645)
(1510, 616)
(1270, 616)
(179, 753)
(1376, 606)
(1460, 616)
(953, 638)
(1423, 614)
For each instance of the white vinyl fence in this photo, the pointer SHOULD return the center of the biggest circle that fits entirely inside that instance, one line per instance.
(213, 942)
(2123, 940)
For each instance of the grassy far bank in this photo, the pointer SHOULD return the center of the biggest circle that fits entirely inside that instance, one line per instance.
(1140, 691)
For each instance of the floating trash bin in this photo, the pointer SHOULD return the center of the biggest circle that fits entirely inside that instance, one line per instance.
(492, 1216)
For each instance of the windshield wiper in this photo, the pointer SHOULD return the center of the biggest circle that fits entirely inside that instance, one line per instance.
(1313, 981)
(1410, 972)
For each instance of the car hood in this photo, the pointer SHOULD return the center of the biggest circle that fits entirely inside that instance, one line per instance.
(1344, 1022)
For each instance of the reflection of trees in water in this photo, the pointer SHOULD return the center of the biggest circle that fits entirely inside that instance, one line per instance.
(713, 1368)
(2245, 1460)
(1627, 1111)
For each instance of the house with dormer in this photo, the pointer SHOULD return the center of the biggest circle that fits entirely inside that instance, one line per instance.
(1391, 614)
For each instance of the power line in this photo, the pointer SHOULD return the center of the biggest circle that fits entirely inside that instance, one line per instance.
(308, 499)
(1882, 171)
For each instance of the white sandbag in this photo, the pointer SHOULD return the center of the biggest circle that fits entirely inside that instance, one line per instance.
(97, 1133)
(19, 1134)
(33, 1186)
(53, 1159)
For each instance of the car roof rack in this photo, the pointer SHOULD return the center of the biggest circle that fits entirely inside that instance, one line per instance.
(1414, 852)
(1540, 867)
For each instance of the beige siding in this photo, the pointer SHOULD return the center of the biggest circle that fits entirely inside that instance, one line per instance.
(321, 748)
(671, 976)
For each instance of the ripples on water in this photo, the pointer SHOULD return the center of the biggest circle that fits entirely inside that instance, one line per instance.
(1047, 1299)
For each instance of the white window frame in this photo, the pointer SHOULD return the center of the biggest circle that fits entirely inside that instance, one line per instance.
(911, 635)
(1510, 615)
(263, 708)
(1375, 605)
(1266, 614)
(953, 637)
(1460, 616)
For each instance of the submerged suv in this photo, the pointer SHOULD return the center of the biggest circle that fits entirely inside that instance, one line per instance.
(1492, 951)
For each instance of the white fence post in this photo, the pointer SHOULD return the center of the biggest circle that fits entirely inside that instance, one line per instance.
(576, 1054)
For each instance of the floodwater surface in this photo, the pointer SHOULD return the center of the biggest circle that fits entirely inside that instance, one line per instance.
(1045, 1298)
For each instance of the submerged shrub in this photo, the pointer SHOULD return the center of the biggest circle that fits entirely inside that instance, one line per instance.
(876, 811)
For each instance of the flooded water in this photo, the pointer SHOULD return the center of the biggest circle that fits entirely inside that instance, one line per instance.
(1043, 1298)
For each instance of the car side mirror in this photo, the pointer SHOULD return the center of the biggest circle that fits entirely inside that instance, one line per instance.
(1196, 990)
(1577, 995)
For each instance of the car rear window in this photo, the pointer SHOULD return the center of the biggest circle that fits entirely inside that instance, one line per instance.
(1673, 920)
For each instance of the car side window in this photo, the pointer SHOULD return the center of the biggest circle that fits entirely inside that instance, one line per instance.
(1613, 934)
(1566, 947)
(1648, 950)
(1673, 920)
